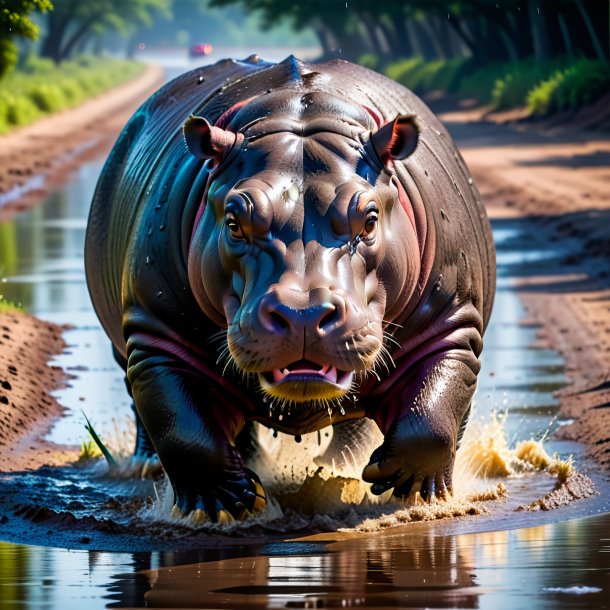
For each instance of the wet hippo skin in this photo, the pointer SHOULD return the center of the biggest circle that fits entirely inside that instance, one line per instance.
(297, 245)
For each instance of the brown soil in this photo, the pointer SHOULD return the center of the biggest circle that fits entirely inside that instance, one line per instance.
(27, 409)
(39, 157)
(560, 184)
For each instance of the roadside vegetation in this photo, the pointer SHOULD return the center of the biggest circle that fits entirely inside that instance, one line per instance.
(540, 87)
(41, 87)
(545, 56)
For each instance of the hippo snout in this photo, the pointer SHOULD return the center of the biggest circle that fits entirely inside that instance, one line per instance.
(315, 313)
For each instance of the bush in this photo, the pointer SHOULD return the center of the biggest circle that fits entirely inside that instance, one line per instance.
(48, 98)
(72, 91)
(38, 65)
(41, 87)
(512, 89)
(448, 75)
(567, 89)
(8, 56)
(369, 60)
(401, 69)
(21, 110)
(479, 83)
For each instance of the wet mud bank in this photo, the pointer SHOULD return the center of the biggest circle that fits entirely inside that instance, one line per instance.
(27, 406)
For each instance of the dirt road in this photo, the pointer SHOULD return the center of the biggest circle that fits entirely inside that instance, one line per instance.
(561, 183)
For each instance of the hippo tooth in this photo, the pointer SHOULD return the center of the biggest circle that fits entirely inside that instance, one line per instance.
(176, 512)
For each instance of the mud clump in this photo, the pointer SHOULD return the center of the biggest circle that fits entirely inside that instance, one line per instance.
(27, 409)
(576, 486)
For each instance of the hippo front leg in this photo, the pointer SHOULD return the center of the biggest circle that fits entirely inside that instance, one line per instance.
(423, 422)
(193, 427)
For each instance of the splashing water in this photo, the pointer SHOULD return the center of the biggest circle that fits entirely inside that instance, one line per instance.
(305, 491)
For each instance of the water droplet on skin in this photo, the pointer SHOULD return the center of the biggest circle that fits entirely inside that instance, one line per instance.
(281, 417)
(341, 410)
(148, 261)
(149, 232)
(162, 228)
(159, 293)
(470, 181)
(200, 80)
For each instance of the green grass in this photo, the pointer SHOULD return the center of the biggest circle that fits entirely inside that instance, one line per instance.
(40, 87)
(8, 307)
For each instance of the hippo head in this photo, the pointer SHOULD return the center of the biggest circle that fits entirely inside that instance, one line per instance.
(302, 247)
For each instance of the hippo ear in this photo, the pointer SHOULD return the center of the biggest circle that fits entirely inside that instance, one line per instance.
(205, 141)
(396, 139)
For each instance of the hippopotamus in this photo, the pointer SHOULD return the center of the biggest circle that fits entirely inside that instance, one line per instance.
(299, 245)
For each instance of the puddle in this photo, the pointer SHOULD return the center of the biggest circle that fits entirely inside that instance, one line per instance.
(277, 564)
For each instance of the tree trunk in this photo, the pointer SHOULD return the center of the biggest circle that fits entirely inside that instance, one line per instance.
(404, 47)
(565, 34)
(426, 39)
(460, 29)
(325, 37)
(599, 52)
(56, 27)
(539, 31)
(82, 31)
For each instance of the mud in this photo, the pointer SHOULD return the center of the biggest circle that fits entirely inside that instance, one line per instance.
(27, 407)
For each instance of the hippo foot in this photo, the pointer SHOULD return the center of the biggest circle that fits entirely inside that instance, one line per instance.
(416, 456)
(224, 502)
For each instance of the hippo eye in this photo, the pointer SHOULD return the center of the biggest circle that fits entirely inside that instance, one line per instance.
(370, 223)
(233, 225)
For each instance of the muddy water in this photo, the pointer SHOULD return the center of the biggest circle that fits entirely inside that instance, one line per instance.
(502, 559)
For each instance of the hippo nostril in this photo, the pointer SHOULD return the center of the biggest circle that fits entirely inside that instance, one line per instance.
(329, 317)
(279, 320)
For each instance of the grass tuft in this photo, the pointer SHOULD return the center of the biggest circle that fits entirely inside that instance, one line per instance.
(112, 463)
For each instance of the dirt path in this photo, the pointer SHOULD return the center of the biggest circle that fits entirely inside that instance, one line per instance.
(36, 158)
(562, 183)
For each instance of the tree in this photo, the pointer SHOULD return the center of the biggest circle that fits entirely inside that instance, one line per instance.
(15, 21)
(73, 21)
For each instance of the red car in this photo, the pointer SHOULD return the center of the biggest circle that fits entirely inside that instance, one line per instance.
(200, 49)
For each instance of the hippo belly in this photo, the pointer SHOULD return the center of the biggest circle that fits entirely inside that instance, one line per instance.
(297, 245)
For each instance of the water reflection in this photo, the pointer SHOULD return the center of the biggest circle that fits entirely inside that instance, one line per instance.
(524, 568)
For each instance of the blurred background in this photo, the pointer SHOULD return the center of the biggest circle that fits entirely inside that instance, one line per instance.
(541, 56)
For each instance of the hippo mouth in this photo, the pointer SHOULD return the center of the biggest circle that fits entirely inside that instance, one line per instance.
(306, 381)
